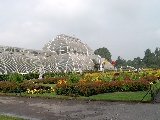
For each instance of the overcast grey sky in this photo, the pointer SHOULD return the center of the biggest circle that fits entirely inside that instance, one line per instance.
(126, 27)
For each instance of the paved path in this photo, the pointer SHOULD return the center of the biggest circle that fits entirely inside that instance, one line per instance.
(58, 109)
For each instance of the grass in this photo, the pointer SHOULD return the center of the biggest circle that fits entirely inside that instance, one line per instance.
(122, 96)
(5, 117)
(50, 85)
(116, 96)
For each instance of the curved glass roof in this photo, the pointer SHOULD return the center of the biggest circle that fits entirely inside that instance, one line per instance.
(64, 53)
(67, 44)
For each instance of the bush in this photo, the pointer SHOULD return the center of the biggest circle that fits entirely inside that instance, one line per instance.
(55, 74)
(16, 77)
(30, 76)
(98, 87)
(68, 89)
(73, 78)
(51, 80)
(14, 87)
(25, 86)
(4, 77)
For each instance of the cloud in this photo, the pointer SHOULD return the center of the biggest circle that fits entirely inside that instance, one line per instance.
(59, 9)
(26, 35)
(127, 27)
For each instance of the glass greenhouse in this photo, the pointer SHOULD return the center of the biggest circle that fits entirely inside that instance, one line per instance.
(64, 53)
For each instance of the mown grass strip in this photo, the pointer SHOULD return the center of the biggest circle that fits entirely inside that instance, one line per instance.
(5, 117)
(122, 96)
(116, 96)
(50, 85)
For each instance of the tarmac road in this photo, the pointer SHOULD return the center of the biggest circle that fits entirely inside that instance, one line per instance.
(59, 109)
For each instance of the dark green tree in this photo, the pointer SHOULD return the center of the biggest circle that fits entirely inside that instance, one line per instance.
(104, 53)
(120, 62)
(138, 63)
(157, 57)
(157, 52)
(129, 63)
(150, 59)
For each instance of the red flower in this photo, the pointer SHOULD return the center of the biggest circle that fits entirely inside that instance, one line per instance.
(113, 62)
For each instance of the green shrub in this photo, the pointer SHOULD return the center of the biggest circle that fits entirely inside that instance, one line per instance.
(4, 77)
(14, 87)
(105, 78)
(73, 78)
(16, 77)
(30, 76)
(51, 80)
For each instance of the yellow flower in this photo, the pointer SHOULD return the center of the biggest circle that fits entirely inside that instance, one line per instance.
(151, 83)
(83, 80)
(52, 89)
(61, 81)
(104, 62)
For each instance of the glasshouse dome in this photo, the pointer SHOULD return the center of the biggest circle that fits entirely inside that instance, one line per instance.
(64, 53)
(72, 54)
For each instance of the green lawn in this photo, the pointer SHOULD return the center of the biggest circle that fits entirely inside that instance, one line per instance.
(122, 96)
(116, 96)
(50, 85)
(5, 117)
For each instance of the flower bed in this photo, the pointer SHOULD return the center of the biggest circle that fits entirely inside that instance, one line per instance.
(14, 87)
(97, 83)
(39, 89)
(26, 86)
(85, 84)
(51, 80)
(98, 87)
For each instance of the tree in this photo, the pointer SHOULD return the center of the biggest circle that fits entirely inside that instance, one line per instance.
(157, 57)
(138, 63)
(149, 59)
(129, 63)
(104, 53)
(120, 62)
(157, 52)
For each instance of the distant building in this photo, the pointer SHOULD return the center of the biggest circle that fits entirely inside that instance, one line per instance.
(105, 65)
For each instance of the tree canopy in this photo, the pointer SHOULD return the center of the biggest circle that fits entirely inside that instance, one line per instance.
(150, 59)
(104, 53)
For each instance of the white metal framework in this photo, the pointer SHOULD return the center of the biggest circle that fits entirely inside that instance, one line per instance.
(64, 53)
